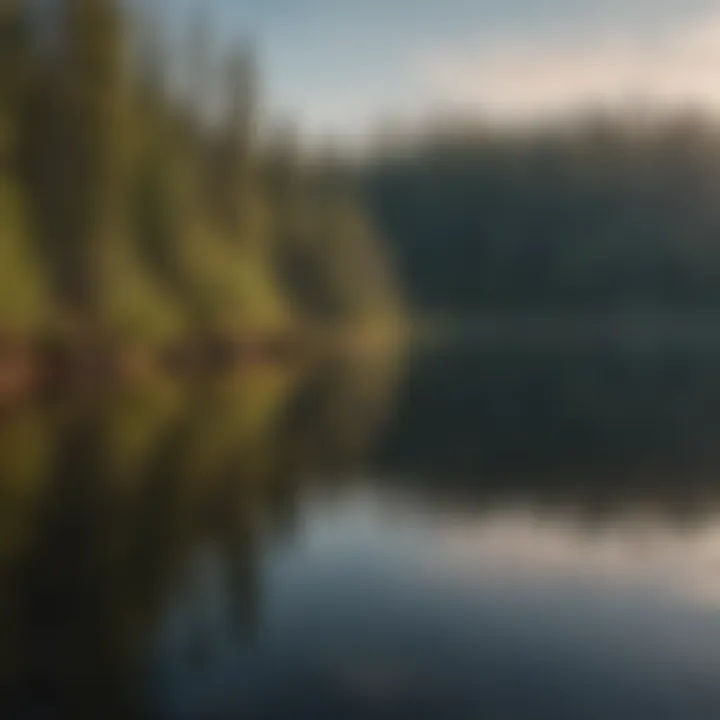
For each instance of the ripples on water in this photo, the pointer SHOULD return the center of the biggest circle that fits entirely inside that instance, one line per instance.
(471, 533)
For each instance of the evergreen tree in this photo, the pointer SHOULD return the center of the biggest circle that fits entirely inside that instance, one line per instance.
(156, 212)
(23, 297)
(91, 82)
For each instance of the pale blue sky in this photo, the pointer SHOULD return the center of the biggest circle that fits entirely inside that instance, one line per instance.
(341, 64)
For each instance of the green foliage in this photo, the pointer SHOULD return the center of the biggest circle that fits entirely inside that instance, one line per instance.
(133, 305)
(602, 215)
(154, 221)
(24, 306)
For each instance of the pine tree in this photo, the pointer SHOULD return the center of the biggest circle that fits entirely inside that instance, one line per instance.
(112, 286)
(238, 143)
(23, 300)
(91, 97)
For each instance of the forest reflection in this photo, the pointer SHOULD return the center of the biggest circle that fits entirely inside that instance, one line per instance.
(108, 498)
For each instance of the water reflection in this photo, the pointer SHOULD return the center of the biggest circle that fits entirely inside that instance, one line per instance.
(362, 538)
(113, 501)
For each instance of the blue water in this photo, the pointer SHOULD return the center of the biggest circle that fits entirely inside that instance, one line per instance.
(461, 535)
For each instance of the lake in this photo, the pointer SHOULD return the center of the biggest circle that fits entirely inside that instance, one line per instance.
(480, 530)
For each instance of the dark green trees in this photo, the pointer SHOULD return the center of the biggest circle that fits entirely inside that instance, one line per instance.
(151, 209)
(599, 217)
(23, 302)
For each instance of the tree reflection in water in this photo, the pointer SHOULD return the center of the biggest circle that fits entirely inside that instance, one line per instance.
(110, 499)
(136, 523)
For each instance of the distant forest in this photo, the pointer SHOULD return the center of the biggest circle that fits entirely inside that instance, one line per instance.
(130, 211)
(139, 209)
(602, 214)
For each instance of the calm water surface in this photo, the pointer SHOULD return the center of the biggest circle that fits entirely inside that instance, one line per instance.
(468, 533)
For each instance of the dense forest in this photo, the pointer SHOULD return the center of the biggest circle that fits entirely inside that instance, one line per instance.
(150, 212)
(601, 214)
(122, 491)
(135, 211)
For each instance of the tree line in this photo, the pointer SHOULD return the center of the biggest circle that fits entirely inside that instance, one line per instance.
(137, 212)
(604, 213)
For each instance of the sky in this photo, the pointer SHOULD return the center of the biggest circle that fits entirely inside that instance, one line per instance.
(343, 66)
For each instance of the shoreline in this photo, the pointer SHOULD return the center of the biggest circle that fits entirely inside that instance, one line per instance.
(28, 366)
